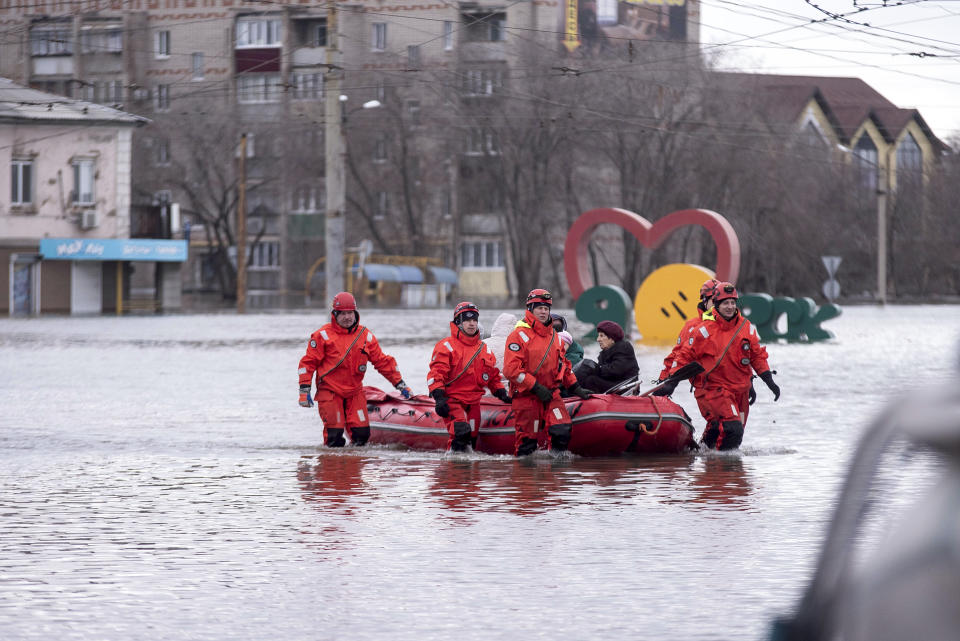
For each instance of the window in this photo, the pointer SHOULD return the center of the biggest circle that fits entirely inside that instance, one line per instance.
(100, 41)
(258, 87)
(307, 86)
(379, 39)
(259, 32)
(51, 42)
(307, 199)
(865, 162)
(485, 27)
(909, 155)
(481, 141)
(82, 193)
(380, 91)
(265, 256)
(197, 63)
(487, 254)
(21, 182)
(413, 111)
(320, 35)
(383, 205)
(447, 35)
(446, 202)
(161, 97)
(413, 56)
(380, 149)
(482, 82)
(162, 44)
(163, 152)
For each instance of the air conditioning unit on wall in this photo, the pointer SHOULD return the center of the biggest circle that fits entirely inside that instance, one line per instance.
(88, 219)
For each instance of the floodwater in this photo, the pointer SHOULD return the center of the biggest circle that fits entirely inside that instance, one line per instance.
(159, 481)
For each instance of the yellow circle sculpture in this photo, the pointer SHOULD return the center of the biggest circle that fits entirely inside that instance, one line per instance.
(666, 300)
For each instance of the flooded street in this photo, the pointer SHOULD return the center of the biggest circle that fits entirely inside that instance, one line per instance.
(160, 482)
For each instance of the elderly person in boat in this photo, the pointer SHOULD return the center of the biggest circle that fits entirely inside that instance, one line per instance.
(617, 361)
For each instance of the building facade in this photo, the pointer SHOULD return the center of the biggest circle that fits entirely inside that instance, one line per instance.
(65, 227)
(205, 71)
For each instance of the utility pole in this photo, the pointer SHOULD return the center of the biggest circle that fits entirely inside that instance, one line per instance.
(334, 224)
(242, 229)
(882, 235)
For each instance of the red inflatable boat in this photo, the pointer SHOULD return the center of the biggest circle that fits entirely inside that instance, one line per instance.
(604, 425)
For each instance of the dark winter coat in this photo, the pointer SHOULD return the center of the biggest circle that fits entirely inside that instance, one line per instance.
(615, 364)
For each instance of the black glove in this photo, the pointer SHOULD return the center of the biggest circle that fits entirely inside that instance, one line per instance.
(502, 395)
(752, 394)
(440, 398)
(767, 378)
(576, 390)
(668, 387)
(542, 392)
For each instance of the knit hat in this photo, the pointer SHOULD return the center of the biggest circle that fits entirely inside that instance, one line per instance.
(566, 338)
(611, 329)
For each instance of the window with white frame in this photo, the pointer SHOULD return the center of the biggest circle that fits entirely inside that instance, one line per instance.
(413, 56)
(383, 205)
(380, 148)
(259, 32)
(51, 42)
(83, 175)
(481, 141)
(484, 254)
(307, 86)
(21, 182)
(447, 35)
(413, 111)
(196, 62)
(482, 82)
(378, 39)
(265, 256)
(258, 88)
(307, 199)
(161, 97)
(101, 41)
(161, 46)
(162, 152)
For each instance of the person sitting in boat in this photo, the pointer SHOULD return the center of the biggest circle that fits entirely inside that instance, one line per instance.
(722, 352)
(574, 349)
(617, 361)
(534, 364)
(337, 356)
(460, 367)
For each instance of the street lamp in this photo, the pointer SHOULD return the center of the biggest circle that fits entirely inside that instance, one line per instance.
(335, 158)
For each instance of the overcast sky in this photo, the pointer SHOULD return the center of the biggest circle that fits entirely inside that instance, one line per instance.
(909, 51)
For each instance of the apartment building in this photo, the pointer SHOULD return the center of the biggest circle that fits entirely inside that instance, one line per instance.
(206, 71)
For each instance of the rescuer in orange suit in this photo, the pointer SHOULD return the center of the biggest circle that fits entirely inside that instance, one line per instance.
(534, 364)
(724, 350)
(704, 312)
(460, 367)
(338, 354)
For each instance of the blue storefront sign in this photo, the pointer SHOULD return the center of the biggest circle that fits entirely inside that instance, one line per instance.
(171, 251)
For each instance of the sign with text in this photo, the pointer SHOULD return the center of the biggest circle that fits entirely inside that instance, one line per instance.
(169, 251)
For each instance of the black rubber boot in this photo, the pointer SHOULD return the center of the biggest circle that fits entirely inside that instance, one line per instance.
(527, 446)
(461, 437)
(360, 435)
(732, 435)
(711, 433)
(559, 437)
(335, 438)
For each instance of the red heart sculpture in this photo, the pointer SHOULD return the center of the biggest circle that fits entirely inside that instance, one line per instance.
(575, 256)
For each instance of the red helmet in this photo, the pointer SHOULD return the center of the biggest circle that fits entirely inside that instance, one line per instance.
(344, 302)
(725, 291)
(465, 311)
(708, 289)
(539, 297)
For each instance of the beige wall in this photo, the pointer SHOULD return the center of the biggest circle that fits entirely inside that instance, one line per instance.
(52, 148)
